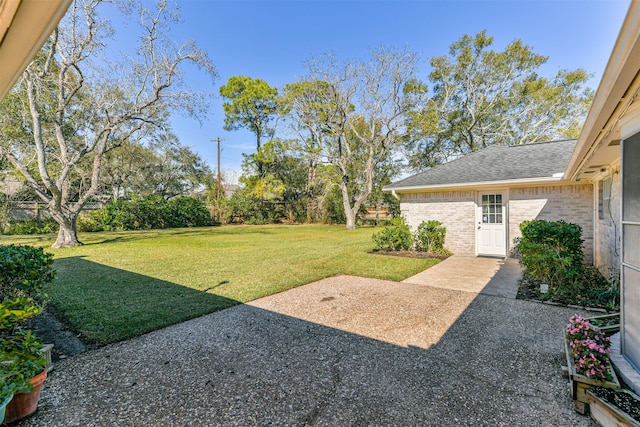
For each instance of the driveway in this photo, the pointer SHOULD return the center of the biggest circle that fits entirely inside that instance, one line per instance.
(341, 351)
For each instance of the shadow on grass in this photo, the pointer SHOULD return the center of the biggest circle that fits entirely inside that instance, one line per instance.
(105, 304)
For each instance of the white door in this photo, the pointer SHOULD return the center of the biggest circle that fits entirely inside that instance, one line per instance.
(491, 233)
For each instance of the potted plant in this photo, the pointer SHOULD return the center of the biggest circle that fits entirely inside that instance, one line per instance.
(22, 364)
(24, 273)
(587, 349)
(15, 382)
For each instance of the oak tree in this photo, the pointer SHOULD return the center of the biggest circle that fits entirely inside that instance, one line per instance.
(357, 116)
(481, 97)
(75, 103)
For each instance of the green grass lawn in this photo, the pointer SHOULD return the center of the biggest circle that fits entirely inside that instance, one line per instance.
(123, 284)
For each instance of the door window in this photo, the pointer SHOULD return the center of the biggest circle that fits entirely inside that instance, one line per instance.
(492, 208)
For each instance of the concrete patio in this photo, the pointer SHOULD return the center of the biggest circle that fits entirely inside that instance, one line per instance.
(341, 351)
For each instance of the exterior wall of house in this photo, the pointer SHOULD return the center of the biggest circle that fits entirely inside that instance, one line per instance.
(607, 230)
(571, 203)
(454, 209)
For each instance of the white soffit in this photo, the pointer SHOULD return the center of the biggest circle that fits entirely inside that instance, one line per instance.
(24, 27)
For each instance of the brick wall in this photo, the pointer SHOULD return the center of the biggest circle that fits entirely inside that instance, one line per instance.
(454, 209)
(572, 203)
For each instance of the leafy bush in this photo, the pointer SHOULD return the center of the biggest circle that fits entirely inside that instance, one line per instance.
(243, 208)
(24, 271)
(20, 356)
(395, 237)
(430, 237)
(188, 212)
(32, 226)
(332, 207)
(90, 221)
(550, 251)
(153, 212)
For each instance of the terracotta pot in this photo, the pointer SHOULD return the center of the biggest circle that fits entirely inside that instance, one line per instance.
(25, 404)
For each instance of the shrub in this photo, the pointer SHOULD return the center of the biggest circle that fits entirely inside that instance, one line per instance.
(590, 289)
(244, 208)
(152, 212)
(430, 237)
(91, 221)
(395, 237)
(24, 271)
(188, 212)
(332, 207)
(550, 251)
(33, 226)
(118, 215)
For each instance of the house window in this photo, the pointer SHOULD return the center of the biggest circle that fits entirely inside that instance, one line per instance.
(604, 198)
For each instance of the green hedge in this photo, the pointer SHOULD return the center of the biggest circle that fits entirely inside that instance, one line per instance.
(153, 212)
(32, 226)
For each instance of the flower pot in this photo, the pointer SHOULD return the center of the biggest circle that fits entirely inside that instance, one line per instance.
(581, 383)
(3, 407)
(609, 324)
(25, 404)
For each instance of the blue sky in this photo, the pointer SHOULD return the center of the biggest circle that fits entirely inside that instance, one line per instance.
(271, 39)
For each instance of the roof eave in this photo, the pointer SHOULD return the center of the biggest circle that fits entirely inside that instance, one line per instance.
(24, 27)
(503, 183)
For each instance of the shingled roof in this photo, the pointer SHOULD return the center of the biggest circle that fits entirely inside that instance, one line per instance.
(542, 161)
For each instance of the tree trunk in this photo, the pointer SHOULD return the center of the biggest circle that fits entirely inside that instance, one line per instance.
(67, 235)
(351, 219)
(349, 212)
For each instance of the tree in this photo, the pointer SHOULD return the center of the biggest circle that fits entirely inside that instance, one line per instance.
(122, 165)
(304, 102)
(175, 170)
(74, 105)
(482, 97)
(252, 104)
(357, 114)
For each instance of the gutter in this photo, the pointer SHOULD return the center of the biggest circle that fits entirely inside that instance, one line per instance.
(544, 180)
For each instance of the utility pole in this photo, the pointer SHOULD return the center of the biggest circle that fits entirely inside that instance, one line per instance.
(219, 179)
(218, 140)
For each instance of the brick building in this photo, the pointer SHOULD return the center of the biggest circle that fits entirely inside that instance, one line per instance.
(482, 198)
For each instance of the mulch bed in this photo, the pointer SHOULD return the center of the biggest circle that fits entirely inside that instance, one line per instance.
(410, 254)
